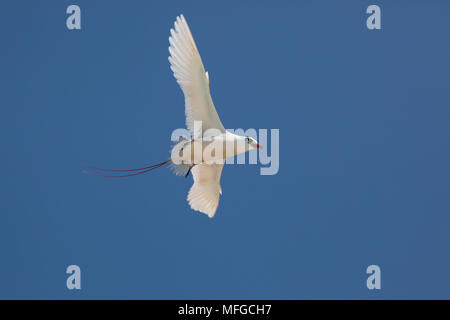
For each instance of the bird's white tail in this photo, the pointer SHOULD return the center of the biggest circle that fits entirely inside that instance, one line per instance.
(181, 169)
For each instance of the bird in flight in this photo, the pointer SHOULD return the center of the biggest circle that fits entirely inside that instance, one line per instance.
(210, 143)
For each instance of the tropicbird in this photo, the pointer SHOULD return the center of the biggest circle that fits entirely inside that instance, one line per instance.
(189, 155)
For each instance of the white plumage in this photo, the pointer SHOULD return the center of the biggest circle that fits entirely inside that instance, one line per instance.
(190, 74)
(187, 67)
(205, 192)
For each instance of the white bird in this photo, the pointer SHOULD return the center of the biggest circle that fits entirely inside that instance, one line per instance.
(187, 67)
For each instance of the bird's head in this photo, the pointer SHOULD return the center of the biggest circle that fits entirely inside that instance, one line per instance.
(251, 143)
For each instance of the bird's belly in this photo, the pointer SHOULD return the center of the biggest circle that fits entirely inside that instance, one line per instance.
(198, 151)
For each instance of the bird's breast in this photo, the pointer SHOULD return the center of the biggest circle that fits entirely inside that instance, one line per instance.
(209, 151)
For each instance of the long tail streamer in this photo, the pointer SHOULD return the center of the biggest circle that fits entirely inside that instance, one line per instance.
(141, 170)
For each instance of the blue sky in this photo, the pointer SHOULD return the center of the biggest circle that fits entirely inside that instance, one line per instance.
(364, 151)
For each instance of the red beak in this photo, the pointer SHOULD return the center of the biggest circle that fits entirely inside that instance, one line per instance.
(257, 146)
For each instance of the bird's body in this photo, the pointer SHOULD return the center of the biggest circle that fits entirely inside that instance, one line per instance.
(204, 154)
(210, 150)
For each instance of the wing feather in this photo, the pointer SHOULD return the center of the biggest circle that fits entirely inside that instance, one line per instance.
(205, 192)
(187, 67)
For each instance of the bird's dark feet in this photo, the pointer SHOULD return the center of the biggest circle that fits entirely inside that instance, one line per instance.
(188, 171)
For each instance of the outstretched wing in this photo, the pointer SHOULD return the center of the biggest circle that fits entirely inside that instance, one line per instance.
(205, 192)
(187, 67)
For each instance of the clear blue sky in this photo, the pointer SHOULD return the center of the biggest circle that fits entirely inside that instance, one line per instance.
(364, 153)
